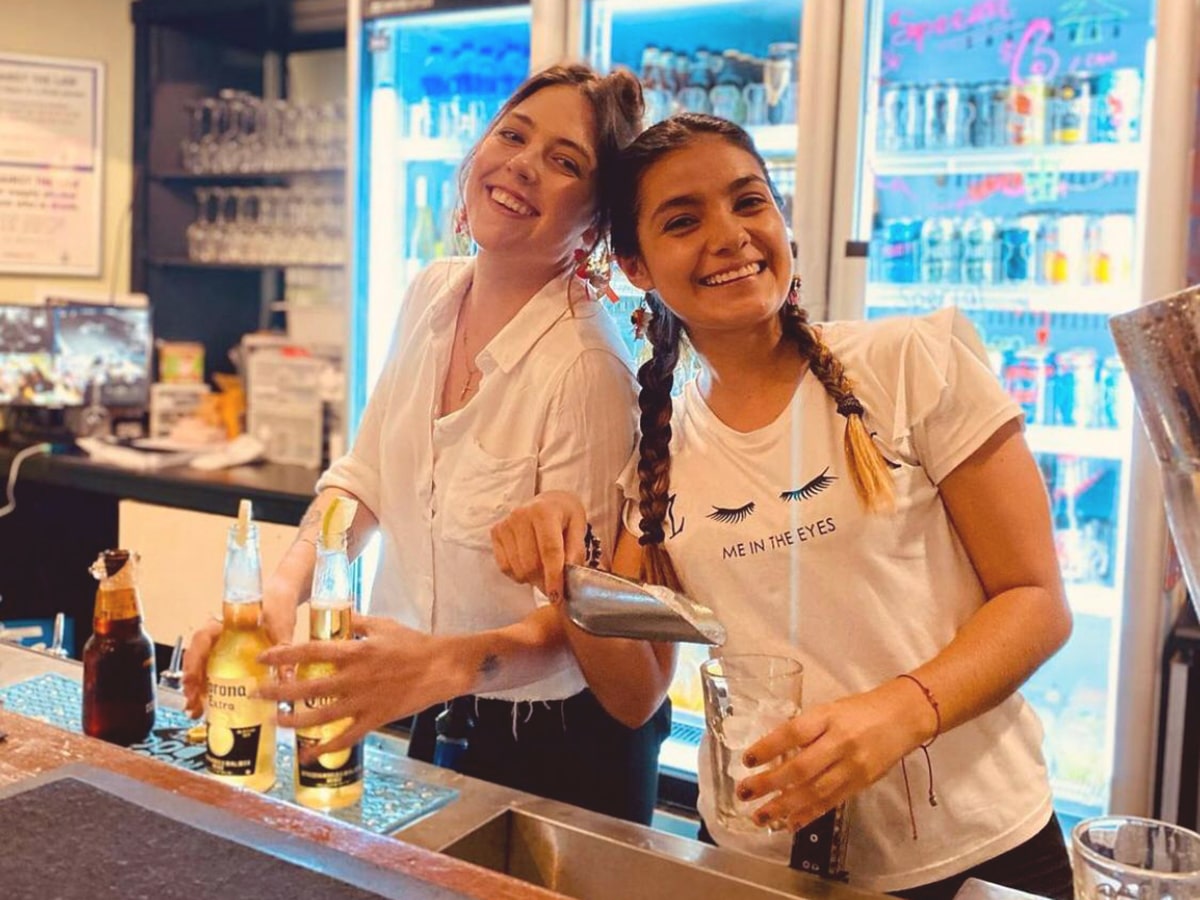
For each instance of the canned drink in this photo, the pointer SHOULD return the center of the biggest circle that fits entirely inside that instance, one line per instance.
(1027, 111)
(1062, 249)
(1118, 116)
(1018, 243)
(980, 250)
(1076, 383)
(1029, 380)
(1115, 394)
(1110, 248)
(1071, 106)
(943, 116)
(899, 250)
(891, 118)
(912, 131)
(940, 251)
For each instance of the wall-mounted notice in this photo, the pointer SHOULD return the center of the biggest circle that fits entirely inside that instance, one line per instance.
(51, 117)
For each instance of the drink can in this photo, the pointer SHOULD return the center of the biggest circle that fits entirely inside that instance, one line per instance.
(1115, 394)
(912, 120)
(1071, 109)
(900, 237)
(943, 117)
(892, 99)
(1018, 242)
(1075, 387)
(940, 251)
(1027, 111)
(1062, 249)
(980, 250)
(1118, 115)
(1029, 380)
(1110, 248)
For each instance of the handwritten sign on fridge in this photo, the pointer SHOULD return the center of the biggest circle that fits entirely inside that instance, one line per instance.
(51, 117)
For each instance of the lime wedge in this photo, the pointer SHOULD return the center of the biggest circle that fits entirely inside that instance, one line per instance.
(338, 516)
(243, 521)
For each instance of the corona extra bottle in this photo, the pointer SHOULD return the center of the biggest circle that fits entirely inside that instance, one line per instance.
(241, 729)
(332, 780)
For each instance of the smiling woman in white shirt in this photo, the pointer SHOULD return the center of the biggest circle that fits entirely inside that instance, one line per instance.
(506, 378)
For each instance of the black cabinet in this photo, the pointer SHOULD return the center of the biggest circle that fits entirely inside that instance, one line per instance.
(186, 51)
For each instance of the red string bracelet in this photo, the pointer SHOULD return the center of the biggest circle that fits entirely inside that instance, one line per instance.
(924, 748)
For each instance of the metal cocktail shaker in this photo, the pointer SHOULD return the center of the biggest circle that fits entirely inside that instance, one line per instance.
(1160, 346)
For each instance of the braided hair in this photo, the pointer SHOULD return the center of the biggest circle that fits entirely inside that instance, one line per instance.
(868, 468)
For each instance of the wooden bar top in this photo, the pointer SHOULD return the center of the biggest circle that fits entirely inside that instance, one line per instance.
(31, 748)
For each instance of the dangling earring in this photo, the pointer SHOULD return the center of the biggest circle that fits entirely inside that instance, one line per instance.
(641, 317)
(793, 294)
(462, 231)
(596, 269)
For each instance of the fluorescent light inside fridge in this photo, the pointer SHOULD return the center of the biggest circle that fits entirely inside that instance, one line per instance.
(1001, 159)
(433, 82)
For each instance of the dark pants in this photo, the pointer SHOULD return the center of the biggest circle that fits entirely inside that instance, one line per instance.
(1038, 866)
(568, 750)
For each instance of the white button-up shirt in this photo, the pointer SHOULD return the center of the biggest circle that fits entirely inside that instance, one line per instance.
(555, 410)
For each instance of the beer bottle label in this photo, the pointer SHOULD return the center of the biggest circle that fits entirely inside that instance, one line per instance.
(236, 724)
(329, 770)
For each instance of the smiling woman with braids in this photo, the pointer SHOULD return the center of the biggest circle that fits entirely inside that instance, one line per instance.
(857, 495)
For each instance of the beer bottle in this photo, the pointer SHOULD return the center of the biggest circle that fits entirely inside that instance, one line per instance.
(241, 729)
(332, 780)
(118, 658)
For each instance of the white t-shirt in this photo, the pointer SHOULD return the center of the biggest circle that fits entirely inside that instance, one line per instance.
(555, 410)
(765, 528)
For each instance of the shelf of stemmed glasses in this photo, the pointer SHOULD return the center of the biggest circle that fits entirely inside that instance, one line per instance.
(1026, 158)
(1107, 299)
(218, 178)
(182, 262)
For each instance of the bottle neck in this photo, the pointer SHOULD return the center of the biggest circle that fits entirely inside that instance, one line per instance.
(243, 569)
(242, 615)
(332, 583)
(116, 605)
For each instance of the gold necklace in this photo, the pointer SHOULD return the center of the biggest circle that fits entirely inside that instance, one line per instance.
(472, 372)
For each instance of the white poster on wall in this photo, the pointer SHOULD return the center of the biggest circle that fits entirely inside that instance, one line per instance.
(51, 156)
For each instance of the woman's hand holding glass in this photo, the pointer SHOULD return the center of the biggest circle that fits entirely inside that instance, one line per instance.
(831, 752)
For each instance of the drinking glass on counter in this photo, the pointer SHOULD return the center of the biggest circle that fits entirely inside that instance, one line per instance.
(1142, 859)
(745, 696)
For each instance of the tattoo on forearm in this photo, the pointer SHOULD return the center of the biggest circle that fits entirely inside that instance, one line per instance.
(309, 525)
(489, 667)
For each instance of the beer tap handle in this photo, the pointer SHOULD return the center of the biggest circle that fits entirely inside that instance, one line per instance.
(172, 676)
(56, 644)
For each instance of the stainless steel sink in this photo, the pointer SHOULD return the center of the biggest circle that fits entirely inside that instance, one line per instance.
(583, 864)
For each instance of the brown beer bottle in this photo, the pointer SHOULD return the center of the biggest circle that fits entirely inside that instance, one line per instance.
(118, 659)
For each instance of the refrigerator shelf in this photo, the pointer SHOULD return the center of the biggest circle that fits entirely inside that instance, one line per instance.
(1091, 599)
(1104, 299)
(1029, 158)
(1070, 440)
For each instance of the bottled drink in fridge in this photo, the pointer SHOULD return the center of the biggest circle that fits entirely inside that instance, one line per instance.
(940, 251)
(332, 780)
(980, 250)
(423, 245)
(118, 658)
(241, 729)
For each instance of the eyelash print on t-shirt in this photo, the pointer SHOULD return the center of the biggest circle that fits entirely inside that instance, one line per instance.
(811, 489)
(732, 516)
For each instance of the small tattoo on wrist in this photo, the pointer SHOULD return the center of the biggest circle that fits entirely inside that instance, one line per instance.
(490, 666)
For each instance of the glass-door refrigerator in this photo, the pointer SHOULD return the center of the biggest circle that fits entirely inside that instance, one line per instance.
(756, 62)
(1000, 157)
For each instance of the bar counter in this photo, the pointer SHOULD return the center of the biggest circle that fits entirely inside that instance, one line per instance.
(551, 846)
